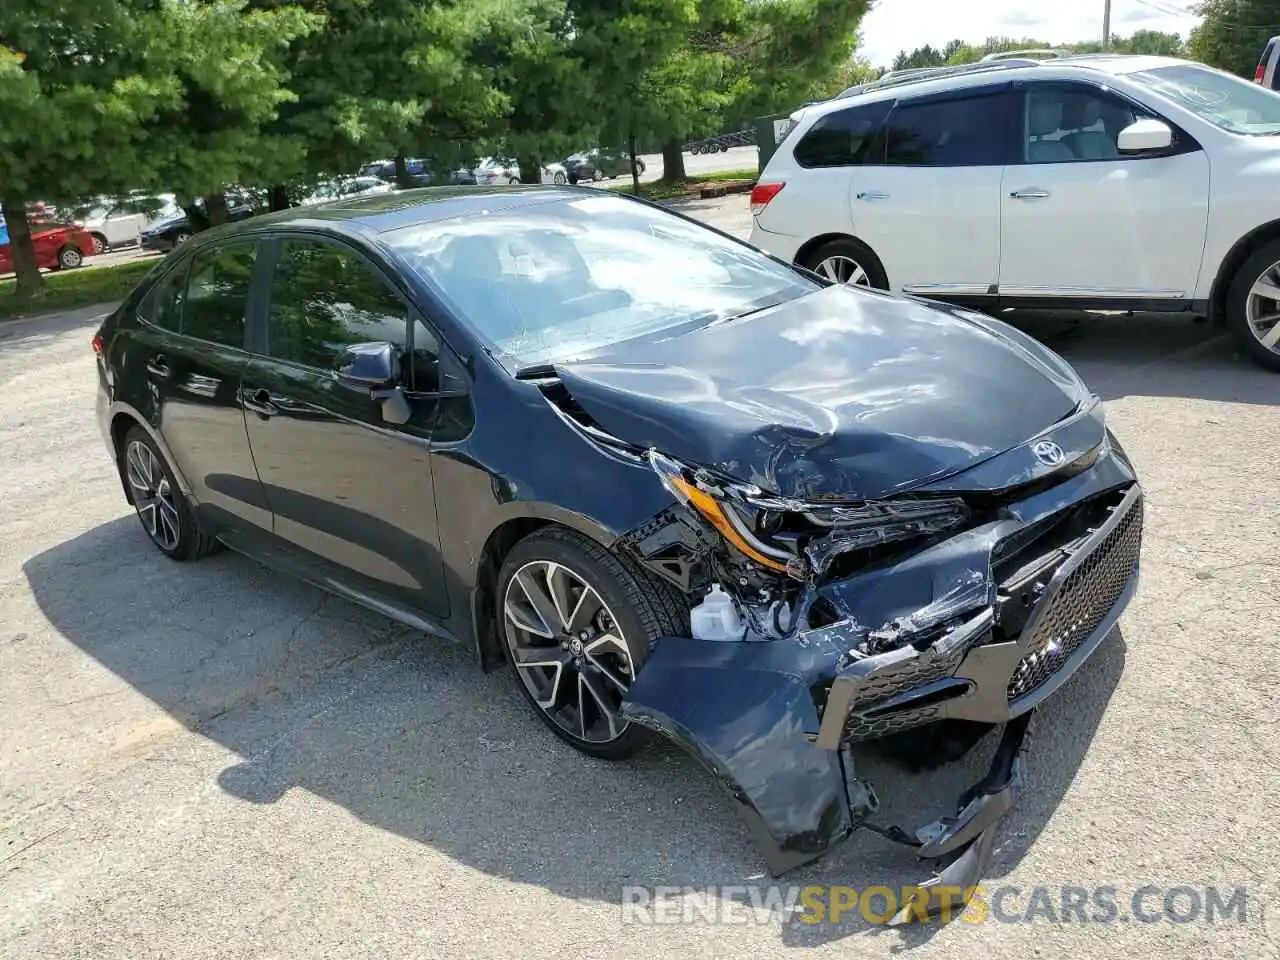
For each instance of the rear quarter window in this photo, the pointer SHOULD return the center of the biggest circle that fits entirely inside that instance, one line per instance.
(841, 138)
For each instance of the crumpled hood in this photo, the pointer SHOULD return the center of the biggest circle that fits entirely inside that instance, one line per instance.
(839, 394)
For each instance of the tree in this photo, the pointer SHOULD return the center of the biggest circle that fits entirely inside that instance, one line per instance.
(221, 81)
(104, 96)
(1233, 33)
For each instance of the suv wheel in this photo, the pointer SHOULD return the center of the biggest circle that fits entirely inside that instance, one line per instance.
(578, 622)
(1253, 306)
(848, 261)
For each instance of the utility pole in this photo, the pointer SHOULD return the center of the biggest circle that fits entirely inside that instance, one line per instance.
(1106, 24)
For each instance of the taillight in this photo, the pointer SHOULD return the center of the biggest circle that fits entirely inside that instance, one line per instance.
(97, 343)
(761, 194)
(1260, 75)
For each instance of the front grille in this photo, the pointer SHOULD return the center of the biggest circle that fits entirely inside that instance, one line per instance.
(1080, 604)
(887, 684)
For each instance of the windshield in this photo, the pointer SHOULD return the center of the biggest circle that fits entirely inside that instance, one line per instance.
(1225, 101)
(566, 279)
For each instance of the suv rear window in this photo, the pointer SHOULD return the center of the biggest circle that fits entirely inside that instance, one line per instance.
(958, 132)
(842, 138)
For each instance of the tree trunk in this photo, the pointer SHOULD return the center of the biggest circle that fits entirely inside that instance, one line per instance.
(635, 171)
(29, 282)
(402, 173)
(530, 169)
(278, 198)
(673, 162)
(215, 205)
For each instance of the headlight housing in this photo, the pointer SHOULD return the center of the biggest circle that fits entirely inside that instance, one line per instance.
(801, 538)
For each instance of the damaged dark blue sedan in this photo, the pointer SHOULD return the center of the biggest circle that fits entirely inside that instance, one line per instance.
(672, 483)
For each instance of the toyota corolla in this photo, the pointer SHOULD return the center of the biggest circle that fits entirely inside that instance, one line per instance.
(672, 484)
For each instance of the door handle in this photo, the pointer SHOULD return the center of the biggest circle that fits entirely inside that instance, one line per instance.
(259, 401)
(873, 195)
(1029, 193)
(158, 366)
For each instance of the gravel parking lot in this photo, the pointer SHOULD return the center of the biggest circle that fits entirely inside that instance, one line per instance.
(213, 760)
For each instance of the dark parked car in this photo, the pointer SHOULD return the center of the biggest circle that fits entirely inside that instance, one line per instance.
(677, 485)
(418, 171)
(597, 164)
(175, 230)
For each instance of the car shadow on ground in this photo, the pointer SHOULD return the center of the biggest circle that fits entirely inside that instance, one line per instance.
(1152, 355)
(405, 733)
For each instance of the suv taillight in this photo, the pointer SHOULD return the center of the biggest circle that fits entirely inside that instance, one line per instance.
(761, 194)
(1260, 75)
(97, 343)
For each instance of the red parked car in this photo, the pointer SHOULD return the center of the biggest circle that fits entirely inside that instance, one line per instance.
(58, 246)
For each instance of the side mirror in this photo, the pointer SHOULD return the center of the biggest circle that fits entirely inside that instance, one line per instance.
(1145, 136)
(369, 365)
(375, 367)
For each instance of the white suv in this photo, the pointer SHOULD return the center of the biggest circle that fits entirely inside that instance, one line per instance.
(1091, 182)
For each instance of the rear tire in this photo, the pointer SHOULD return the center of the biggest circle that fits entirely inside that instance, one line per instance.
(163, 509)
(608, 648)
(1250, 315)
(833, 259)
(100, 245)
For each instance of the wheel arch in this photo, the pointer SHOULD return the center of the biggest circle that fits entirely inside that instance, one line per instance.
(1235, 258)
(510, 531)
(124, 417)
(809, 246)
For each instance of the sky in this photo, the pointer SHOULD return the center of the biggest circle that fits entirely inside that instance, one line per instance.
(894, 25)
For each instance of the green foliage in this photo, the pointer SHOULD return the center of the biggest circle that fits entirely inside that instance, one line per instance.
(69, 289)
(1233, 33)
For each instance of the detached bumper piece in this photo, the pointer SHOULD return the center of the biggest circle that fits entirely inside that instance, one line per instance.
(776, 722)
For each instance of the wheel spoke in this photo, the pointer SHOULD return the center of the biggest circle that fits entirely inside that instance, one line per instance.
(859, 276)
(546, 664)
(168, 515)
(540, 606)
(1271, 339)
(1266, 289)
(597, 649)
(560, 584)
(827, 269)
(587, 608)
(588, 685)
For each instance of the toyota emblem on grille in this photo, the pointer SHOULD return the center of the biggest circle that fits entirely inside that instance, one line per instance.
(1048, 453)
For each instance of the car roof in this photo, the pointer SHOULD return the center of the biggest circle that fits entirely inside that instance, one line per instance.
(407, 208)
(996, 71)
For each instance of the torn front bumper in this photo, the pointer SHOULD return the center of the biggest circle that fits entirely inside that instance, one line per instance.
(990, 622)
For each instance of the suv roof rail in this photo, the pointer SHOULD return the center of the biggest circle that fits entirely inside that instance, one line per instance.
(896, 78)
(1032, 54)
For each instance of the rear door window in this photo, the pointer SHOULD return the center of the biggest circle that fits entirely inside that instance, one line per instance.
(842, 138)
(217, 294)
(961, 131)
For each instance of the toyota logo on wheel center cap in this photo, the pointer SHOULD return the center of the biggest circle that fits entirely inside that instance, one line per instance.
(1048, 453)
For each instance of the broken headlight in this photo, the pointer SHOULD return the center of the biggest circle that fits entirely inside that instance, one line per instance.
(796, 537)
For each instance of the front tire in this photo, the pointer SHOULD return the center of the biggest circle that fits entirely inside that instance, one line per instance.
(163, 510)
(847, 261)
(577, 623)
(1253, 306)
(558, 179)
